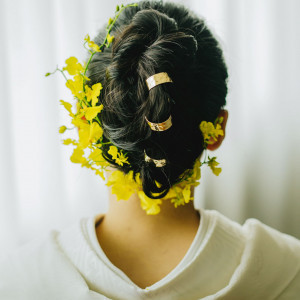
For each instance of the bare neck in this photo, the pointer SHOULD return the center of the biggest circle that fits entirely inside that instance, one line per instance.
(146, 247)
(127, 216)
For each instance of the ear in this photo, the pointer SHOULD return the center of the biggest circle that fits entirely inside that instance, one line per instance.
(216, 144)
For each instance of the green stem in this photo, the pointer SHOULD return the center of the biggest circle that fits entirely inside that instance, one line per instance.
(86, 67)
(62, 72)
(113, 22)
(106, 143)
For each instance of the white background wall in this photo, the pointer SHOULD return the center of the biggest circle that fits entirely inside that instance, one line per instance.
(41, 189)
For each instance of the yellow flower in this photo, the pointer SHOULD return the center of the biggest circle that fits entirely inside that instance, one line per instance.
(96, 154)
(110, 19)
(95, 132)
(62, 129)
(97, 158)
(123, 185)
(67, 106)
(78, 121)
(113, 151)
(151, 206)
(196, 175)
(210, 131)
(77, 156)
(212, 164)
(220, 120)
(110, 38)
(73, 67)
(186, 193)
(218, 131)
(178, 200)
(69, 142)
(92, 44)
(207, 129)
(180, 194)
(93, 93)
(100, 173)
(119, 157)
(91, 112)
(76, 86)
(89, 133)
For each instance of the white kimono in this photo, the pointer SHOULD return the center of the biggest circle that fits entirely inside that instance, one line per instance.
(225, 261)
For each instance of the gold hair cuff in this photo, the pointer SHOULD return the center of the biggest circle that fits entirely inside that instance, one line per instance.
(157, 79)
(160, 126)
(158, 162)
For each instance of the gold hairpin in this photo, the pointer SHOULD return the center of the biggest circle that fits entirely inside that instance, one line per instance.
(158, 162)
(157, 79)
(160, 126)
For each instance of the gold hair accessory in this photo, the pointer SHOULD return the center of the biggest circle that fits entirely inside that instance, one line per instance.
(158, 162)
(160, 126)
(157, 79)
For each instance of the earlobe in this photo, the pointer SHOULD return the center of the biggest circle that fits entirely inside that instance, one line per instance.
(216, 144)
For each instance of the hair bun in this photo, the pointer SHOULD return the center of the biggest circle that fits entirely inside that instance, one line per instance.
(151, 38)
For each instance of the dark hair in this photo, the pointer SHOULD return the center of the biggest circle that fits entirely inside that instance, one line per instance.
(150, 38)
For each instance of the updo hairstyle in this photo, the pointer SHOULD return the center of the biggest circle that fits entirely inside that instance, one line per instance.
(150, 38)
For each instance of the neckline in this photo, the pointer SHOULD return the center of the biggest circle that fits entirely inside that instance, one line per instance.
(179, 268)
(216, 232)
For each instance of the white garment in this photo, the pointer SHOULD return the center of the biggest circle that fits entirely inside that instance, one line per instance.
(225, 261)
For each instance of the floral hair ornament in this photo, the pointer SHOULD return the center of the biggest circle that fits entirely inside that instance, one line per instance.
(88, 147)
(211, 132)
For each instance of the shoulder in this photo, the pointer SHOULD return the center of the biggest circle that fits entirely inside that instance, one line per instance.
(274, 257)
(269, 267)
(40, 270)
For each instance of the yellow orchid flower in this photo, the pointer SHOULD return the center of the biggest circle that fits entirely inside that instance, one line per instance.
(67, 106)
(95, 132)
(123, 185)
(210, 131)
(96, 154)
(97, 158)
(212, 163)
(186, 193)
(92, 44)
(218, 131)
(76, 86)
(119, 157)
(73, 67)
(93, 93)
(91, 112)
(78, 121)
(89, 133)
(77, 156)
(62, 129)
(70, 142)
(100, 173)
(110, 39)
(151, 206)
(196, 173)
(113, 151)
